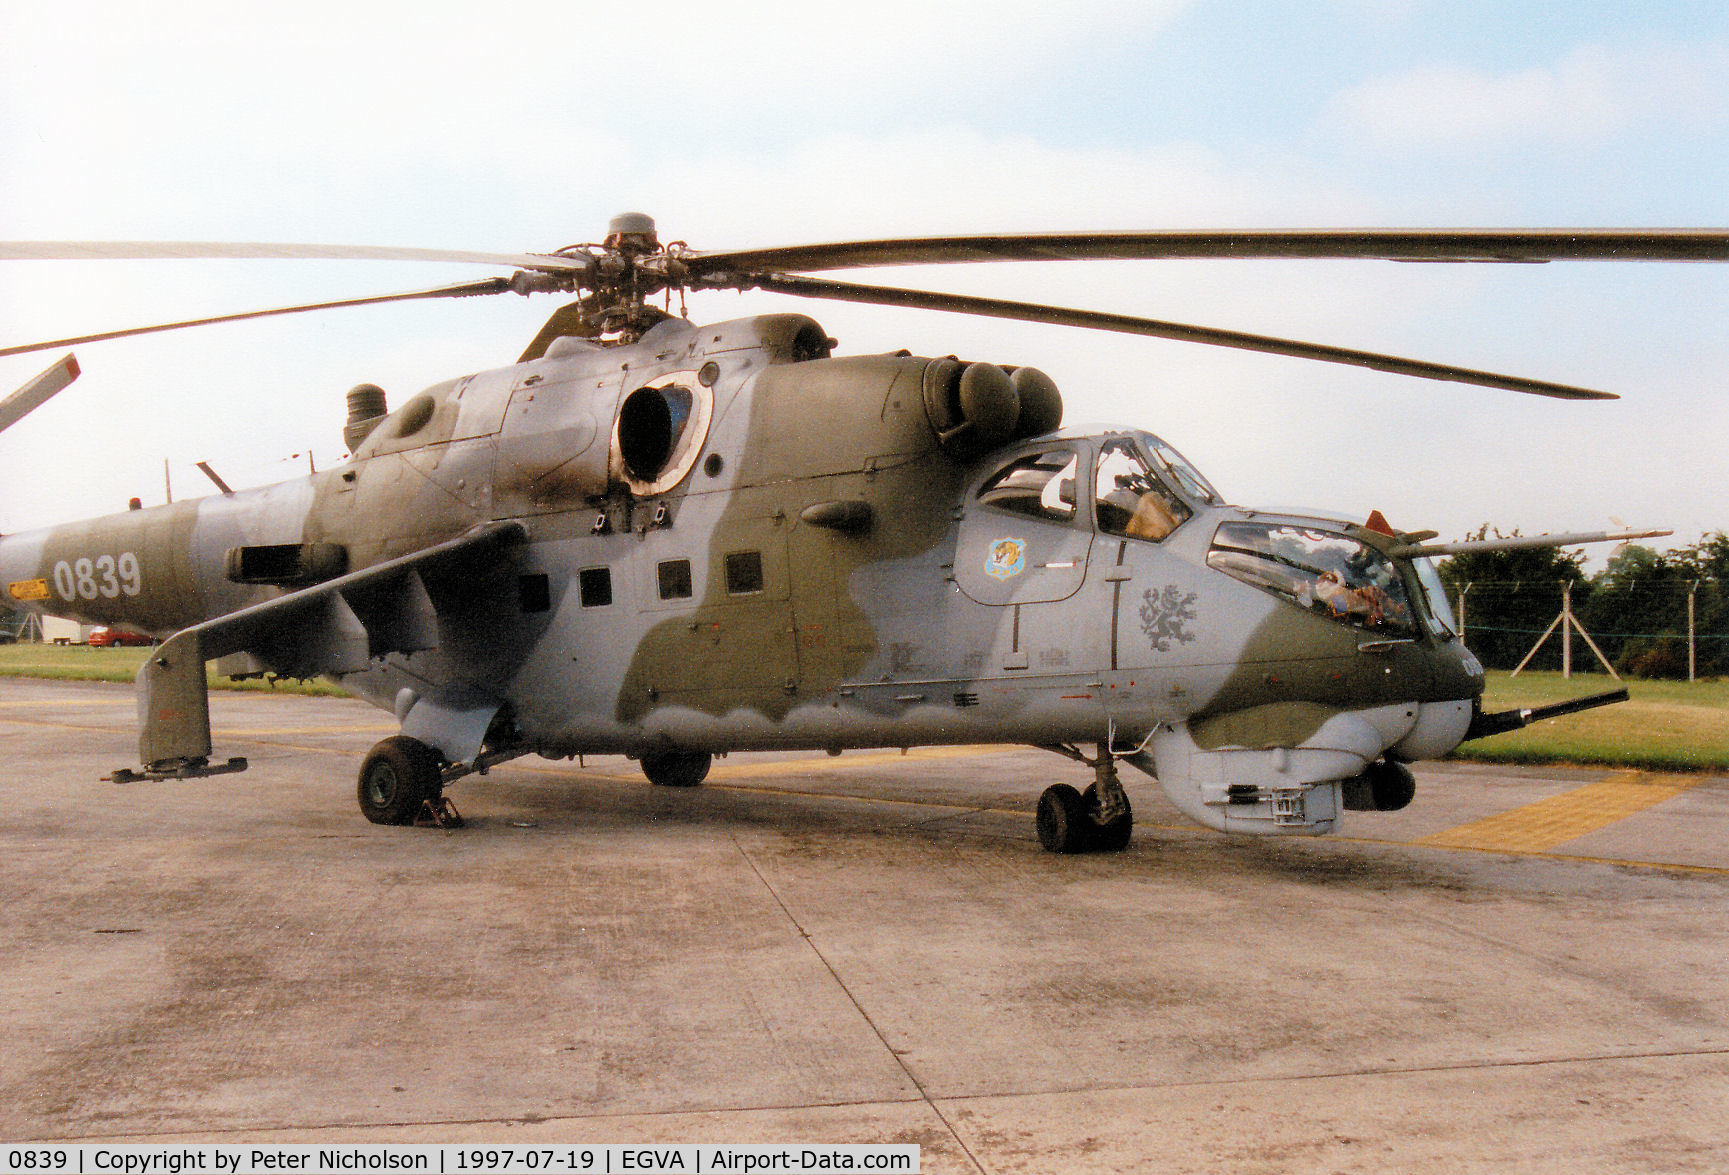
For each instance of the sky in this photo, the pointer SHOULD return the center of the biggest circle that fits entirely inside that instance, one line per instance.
(527, 126)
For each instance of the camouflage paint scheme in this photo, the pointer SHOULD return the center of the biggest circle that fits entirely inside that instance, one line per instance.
(873, 600)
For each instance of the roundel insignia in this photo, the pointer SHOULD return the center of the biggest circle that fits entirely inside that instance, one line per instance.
(1006, 558)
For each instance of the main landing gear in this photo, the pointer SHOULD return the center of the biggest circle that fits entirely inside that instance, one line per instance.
(677, 768)
(402, 782)
(1098, 820)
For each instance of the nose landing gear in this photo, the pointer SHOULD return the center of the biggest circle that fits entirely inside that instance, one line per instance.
(1098, 820)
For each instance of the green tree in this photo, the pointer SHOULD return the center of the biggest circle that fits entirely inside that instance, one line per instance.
(1702, 571)
(1638, 613)
(1707, 559)
(1510, 597)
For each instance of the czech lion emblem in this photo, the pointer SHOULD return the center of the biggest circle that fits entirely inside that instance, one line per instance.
(1165, 616)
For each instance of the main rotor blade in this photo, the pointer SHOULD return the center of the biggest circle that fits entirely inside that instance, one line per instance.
(491, 285)
(37, 392)
(810, 287)
(1389, 244)
(205, 250)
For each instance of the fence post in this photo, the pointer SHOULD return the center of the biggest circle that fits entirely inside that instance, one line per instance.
(1567, 629)
(1692, 589)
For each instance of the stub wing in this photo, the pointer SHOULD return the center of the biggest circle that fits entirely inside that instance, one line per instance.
(331, 628)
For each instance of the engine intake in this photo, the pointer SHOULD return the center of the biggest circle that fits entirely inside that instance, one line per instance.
(366, 407)
(975, 407)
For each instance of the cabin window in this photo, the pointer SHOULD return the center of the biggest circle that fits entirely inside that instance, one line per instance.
(595, 586)
(675, 579)
(1329, 574)
(743, 572)
(1039, 485)
(1129, 500)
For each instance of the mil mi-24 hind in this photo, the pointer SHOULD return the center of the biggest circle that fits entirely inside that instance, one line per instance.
(668, 540)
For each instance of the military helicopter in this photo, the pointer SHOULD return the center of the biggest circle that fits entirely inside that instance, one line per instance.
(670, 541)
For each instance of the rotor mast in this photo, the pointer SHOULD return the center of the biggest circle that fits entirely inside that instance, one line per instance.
(628, 267)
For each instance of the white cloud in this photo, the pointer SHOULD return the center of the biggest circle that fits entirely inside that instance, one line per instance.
(1588, 96)
(375, 89)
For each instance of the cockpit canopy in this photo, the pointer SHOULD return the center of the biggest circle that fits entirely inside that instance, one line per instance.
(1321, 571)
(1142, 488)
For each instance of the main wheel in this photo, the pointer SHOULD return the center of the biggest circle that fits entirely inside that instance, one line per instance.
(1114, 836)
(1063, 823)
(677, 768)
(396, 778)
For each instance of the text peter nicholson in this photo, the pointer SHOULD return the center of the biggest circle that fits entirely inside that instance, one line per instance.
(300, 1159)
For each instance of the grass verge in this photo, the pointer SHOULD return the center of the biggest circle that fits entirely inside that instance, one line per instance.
(1665, 726)
(81, 663)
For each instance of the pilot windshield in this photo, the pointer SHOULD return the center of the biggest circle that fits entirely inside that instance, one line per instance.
(1441, 619)
(1129, 500)
(1323, 572)
(1184, 475)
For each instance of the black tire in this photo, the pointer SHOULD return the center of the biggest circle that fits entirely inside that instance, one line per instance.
(677, 768)
(396, 778)
(1063, 823)
(1112, 837)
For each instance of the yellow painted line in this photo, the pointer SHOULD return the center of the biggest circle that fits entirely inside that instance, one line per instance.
(276, 732)
(718, 775)
(814, 765)
(87, 726)
(1573, 858)
(58, 703)
(1539, 827)
(847, 762)
(791, 793)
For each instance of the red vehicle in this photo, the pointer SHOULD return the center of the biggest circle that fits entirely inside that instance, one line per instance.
(108, 638)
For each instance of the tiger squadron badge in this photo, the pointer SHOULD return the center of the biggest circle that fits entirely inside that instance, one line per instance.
(1007, 558)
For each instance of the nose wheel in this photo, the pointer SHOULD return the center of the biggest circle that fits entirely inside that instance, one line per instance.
(1098, 820)
(1110, 835)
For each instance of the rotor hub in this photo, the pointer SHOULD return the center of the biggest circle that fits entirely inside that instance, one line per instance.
(632, 233)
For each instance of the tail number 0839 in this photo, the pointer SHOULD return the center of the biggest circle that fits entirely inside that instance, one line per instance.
(106, 576)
